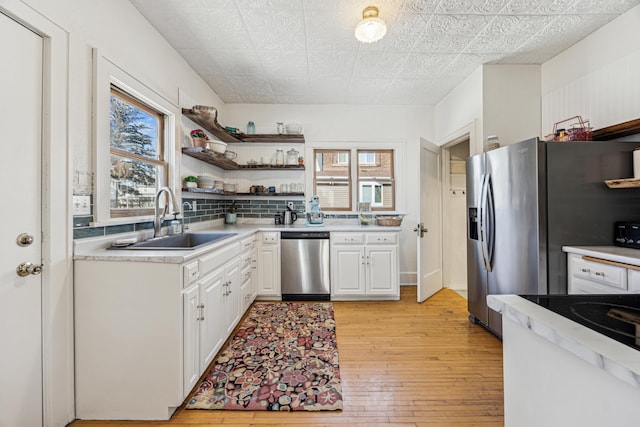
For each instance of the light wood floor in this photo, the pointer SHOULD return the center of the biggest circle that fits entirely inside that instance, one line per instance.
(401, 363)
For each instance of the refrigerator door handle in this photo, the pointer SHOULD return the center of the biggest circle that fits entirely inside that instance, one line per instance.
(491, 225)
(482, 221)
(485, 218)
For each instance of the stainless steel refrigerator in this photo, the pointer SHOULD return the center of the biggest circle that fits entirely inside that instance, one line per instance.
(527, 200)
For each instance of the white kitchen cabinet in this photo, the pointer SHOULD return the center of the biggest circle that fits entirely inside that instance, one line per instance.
(364, 265)
(600, 276)
(145, 331)
(269, 265)
(248, 271)
(231, 294)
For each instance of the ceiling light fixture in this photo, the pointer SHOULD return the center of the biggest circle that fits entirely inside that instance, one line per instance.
(371, 28)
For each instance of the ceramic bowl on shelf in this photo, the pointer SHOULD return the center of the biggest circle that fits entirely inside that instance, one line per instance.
(218, 146)
(230, 155)
(205, 181)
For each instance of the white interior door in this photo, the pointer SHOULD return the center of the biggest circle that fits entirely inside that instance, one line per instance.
(20, 172)
(429, 230)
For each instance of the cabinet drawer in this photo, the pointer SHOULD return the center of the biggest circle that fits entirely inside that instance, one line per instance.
(347, 238)
(582, 286)
(218, 257)
(594, 271)
(382, 238)
(270, 238)
(248, 242)
(634, 281)
(190, 274)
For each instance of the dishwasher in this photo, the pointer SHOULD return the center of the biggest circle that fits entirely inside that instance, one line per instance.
(305, 272)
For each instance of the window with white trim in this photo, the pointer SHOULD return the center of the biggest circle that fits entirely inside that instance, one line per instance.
(138, 168)
(374, 172)
(135, 152)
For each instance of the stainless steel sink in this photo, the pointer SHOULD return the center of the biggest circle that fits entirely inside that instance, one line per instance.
(186, 241)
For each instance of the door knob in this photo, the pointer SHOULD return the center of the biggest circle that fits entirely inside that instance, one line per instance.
(24, 239)
(27, 268)
(421, 229)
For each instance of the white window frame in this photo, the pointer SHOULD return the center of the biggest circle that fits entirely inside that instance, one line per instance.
(398, 148)
(106, 73)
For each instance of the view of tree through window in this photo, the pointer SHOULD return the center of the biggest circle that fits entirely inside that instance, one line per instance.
(136, 147)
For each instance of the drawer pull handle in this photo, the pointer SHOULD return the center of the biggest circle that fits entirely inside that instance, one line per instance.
(599, 274)
(585, 270)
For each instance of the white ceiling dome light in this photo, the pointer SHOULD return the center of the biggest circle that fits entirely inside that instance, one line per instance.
(371, 28)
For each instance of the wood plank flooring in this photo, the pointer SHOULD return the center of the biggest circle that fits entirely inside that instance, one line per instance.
(401, 363)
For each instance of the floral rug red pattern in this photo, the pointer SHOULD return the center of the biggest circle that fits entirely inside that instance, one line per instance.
(283, 357)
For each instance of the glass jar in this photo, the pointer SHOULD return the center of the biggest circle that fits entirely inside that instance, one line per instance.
(280, 127)
(279, 157)
(292, 157)
(251, 128)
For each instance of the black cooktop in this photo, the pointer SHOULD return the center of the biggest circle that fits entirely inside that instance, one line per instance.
(616, 316)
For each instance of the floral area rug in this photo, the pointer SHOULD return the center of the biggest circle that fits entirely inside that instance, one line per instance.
(283, 357)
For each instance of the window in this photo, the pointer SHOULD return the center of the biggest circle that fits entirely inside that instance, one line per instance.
(136, 145)
(376, 183)
(332, 179)
(374, 170)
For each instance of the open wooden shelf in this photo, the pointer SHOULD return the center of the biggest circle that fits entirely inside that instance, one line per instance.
(216, 159)
(211, 157)
(623, 183)
(207, 117)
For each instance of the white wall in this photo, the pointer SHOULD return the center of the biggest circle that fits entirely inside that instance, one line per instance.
(123, 36)
(597, 78)
(461, 108)
(511, 102)
(345, 124)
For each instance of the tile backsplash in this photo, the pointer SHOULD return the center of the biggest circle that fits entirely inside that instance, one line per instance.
(206, 210)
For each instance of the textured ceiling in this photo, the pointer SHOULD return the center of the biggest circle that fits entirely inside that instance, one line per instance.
(304, 51)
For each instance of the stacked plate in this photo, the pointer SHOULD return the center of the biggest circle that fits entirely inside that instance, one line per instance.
(205, 181)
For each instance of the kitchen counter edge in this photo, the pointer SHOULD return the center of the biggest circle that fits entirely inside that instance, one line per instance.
(610, 253)
(616, 359)
(95, 249)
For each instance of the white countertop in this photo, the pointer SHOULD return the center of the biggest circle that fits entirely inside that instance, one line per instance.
(611, 253)
(617, 359)
(95, 249)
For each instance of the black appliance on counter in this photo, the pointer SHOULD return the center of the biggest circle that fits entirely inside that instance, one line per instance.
(615, 316)
(627, 234)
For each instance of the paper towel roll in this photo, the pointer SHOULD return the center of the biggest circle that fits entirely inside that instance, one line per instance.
(636, 163)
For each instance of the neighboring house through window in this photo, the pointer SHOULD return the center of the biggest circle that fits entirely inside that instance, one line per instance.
(375, 180)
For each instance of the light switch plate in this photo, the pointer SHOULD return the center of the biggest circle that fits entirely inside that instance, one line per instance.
(81, 205)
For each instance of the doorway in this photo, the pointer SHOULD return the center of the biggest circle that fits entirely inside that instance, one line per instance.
(454, 251)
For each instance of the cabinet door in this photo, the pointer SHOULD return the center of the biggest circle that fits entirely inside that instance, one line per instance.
(211, 316)
(254, 273)
(382, 270)
(191, 353)
(347, 270)
(232, 300)
(269, 270)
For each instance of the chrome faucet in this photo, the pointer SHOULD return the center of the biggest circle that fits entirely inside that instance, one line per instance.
(158, 217)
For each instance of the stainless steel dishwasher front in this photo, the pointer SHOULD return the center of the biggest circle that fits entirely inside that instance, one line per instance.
(305, 269)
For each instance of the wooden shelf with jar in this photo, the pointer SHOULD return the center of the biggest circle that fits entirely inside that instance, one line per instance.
(207, 117)
(219, 160)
